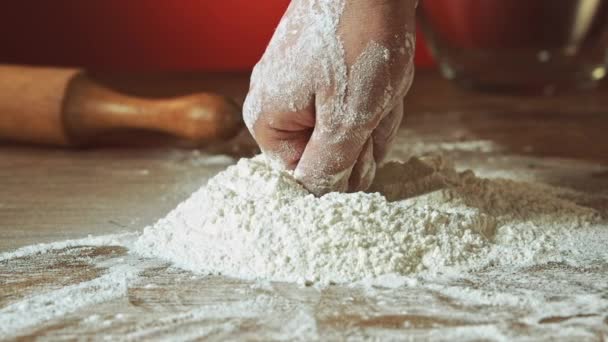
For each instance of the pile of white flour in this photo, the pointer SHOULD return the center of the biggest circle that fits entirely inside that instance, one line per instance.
(255, 222)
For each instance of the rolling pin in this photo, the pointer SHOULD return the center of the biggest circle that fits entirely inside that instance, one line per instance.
(55, 106)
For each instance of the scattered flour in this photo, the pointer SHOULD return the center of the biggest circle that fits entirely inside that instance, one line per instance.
(43, 307)
(102, 240)
(253, 221)
(550, 281)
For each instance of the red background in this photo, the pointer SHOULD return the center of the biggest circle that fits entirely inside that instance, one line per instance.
(142, 34)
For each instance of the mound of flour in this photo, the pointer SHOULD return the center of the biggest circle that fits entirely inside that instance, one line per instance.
(255, 222)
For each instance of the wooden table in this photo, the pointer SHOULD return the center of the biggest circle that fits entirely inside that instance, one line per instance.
(51, 195)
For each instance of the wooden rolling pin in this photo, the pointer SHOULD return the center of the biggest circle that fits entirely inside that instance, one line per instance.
(64, 107)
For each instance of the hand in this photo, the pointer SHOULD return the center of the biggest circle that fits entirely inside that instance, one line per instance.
(326, 99)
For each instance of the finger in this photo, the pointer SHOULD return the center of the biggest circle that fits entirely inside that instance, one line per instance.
(364, 170)
(333, 149)
(327, 162)
(384, 135)
(344, 123)
(283, 136)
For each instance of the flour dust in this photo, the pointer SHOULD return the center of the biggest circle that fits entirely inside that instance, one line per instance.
(254, 221)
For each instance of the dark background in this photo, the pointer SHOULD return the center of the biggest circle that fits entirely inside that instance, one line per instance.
(168, 35)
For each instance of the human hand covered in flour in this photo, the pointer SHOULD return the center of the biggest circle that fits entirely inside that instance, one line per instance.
(326, 99)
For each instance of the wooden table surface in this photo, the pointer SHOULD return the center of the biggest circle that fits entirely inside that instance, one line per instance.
(49, 194)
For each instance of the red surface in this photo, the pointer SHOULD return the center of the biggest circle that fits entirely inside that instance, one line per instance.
(140, 34)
